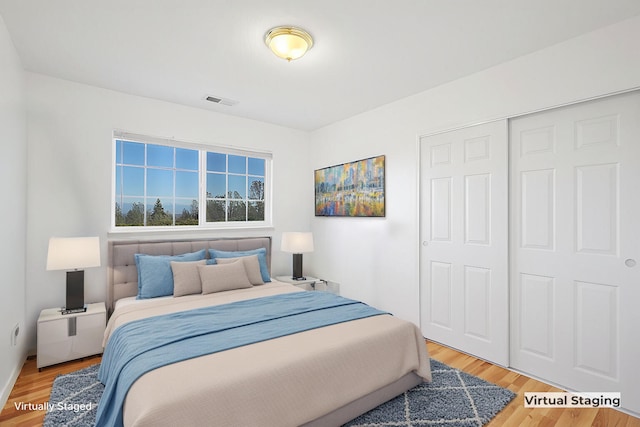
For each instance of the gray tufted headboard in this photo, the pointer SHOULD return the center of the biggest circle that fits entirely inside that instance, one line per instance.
(122, 277)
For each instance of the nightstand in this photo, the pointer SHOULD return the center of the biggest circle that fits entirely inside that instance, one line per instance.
(307, 284)
(312, 284)
(64, 337)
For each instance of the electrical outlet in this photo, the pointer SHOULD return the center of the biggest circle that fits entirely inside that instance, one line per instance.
(14, 334)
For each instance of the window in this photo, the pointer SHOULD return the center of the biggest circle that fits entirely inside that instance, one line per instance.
(166, 184)
(235, 188)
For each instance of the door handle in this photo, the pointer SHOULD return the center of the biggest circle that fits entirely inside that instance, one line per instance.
(630, 262)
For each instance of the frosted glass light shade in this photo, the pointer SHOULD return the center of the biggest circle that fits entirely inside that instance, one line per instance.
(69, 253)
(297, 242)
(288, 42)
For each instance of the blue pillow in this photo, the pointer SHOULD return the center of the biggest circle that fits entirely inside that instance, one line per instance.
(155, 278)
(262, 259)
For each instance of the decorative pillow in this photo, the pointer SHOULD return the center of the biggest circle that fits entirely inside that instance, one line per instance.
(262, 259)
(155, 278)
(223, 277)
(186, 279)
(251, 266)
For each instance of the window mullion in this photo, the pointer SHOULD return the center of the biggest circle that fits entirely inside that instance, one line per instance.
(227, 196)
(173, 187)
(175, 207)
(144, 190)
(202, 174)
(246, 189)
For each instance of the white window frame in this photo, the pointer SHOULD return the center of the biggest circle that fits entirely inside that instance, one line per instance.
(202, 172)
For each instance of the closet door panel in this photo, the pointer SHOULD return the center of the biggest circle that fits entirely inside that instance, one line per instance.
(574, 246)
(463, 260)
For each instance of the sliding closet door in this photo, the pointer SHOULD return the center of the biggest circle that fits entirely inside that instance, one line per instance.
(575, 245)
(463, 259)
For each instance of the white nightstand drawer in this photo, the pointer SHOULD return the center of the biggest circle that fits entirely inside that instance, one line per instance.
(63, 337)
(91, 329)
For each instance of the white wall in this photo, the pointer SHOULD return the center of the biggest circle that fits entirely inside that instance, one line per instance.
(13, 176)
(376, 260)
(70, 153)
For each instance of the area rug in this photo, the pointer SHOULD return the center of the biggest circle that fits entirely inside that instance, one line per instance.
(74, 399)
(453, 399)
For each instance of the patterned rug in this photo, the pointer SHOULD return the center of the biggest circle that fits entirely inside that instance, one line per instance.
(454, 398)
(74, 399)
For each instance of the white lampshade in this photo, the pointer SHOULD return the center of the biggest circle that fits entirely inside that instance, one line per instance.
(297, 242)
(70, 253)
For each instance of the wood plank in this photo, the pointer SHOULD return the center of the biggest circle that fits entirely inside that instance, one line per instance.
(33, 386)
(515, 414)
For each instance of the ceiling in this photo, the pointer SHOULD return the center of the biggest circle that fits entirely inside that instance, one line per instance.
(366, 53)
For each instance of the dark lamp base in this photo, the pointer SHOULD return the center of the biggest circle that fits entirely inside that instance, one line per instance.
(297, 267)
(73, 310)
(75, 290)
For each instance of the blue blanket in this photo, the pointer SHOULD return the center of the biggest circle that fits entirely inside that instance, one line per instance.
(138, 347)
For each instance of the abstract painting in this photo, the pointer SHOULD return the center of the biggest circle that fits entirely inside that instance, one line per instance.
(351, 189)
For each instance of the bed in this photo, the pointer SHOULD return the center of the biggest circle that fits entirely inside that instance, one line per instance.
(324, 376)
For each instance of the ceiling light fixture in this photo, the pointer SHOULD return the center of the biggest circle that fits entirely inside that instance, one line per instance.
(288, 42)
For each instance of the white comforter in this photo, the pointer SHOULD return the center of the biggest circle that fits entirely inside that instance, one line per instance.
(286, 381)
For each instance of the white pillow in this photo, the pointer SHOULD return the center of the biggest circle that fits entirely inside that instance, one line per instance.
(186, 279)
(251, 266)
(223, 277)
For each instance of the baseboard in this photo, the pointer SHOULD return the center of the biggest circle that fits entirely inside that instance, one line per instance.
(8, 386)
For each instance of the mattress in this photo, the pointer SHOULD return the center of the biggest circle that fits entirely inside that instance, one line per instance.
(287, 381)
(134, 301)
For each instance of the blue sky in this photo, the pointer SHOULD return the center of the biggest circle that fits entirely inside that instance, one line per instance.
(166, 166)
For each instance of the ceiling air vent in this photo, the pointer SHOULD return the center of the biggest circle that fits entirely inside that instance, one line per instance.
(222, 101)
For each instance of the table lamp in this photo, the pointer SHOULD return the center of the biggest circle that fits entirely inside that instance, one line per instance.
(73, 254)
(297, 243)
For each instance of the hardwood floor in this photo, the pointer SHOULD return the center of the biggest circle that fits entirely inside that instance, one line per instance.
(34, 387)
(515, 414)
